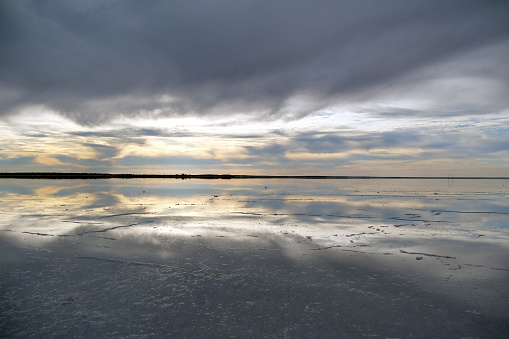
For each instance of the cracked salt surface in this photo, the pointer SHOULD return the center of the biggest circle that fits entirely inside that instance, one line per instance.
(255, 258)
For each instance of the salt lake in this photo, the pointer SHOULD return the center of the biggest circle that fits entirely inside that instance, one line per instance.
(254, 258)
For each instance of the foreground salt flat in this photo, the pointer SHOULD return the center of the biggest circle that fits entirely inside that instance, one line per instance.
(253, 258)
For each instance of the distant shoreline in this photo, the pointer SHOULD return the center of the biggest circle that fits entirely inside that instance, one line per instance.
(56, 175)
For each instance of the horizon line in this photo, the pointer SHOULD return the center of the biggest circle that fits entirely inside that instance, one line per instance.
(85, 175)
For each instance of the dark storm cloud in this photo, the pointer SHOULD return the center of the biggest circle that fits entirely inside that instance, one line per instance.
(95, 60)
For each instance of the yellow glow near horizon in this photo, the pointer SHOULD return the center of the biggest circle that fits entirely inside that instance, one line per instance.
(49, 142)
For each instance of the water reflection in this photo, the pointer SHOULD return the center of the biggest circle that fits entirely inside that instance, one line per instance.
(389, 217)
(325, 210)
(452, 240)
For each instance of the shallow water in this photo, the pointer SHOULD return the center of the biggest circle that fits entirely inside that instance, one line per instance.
(439, 240)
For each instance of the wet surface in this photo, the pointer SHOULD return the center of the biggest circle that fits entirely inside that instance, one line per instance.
(254, 258)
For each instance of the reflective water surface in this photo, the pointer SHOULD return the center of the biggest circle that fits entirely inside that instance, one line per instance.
(447, 238)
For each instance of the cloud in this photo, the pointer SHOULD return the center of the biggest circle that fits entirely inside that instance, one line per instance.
(131, 134)
(92, 165)
(99, 60)
(8, 164)
(165, 161)
(472, 148)
(48, 161)
(319, 142)
(268, 150)
(103, 151)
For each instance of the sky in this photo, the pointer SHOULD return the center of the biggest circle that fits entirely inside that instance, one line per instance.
(317, 87)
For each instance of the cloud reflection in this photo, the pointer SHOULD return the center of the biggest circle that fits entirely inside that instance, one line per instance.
(353, 240)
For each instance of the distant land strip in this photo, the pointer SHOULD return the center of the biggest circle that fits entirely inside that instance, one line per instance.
(56, 175)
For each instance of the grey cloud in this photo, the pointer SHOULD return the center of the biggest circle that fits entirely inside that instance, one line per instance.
(123, 133)
(337, 143)
(124, 136)
(36, 135)
(269, 150)
(168, 160)
(453, 110)
(9, 163)
(97, 134)
(103, 151)
(240, 136)
(328, 143)
(95, 60)
(459, 143)
(92, 165)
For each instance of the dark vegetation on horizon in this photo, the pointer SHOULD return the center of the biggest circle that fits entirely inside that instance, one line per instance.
(57, 175)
